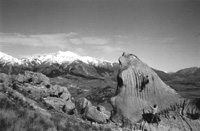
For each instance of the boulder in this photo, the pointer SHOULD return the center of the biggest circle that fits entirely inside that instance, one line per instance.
(68, 107)
(103, 109)
(81, 105)
(139, 88)
(93, 114)
(59, 91)
(32, 77)
(60, 104)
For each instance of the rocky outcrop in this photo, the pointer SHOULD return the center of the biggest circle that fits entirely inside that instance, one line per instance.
(55, 95)
(81, 104)
(59, 91)
(103, 110)
(16, 96)
(92, 113)
(38, 86)
(33, 77)
(139, 88)
(60, 104)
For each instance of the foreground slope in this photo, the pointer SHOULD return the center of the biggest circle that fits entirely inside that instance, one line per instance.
(29, 102)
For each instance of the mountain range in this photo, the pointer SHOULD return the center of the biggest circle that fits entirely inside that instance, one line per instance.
(69, 63)
(60, 63)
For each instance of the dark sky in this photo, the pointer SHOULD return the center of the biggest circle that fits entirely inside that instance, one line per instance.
(165, 34)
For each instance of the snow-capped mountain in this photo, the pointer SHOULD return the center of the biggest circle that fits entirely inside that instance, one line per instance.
(58, 64)
(7, 59)
(67, 57)
(62, 63)
(59, 58)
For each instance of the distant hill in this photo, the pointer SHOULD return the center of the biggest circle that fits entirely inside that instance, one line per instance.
(186, 78)
(187, 72)
(164, 76)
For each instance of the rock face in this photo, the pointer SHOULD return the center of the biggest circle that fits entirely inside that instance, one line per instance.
(139, 88)
(92, 113)
(33, 77)
(81, 104)
(60, 104)
(38, 85)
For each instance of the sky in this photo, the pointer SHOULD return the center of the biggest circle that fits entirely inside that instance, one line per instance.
(165, 34)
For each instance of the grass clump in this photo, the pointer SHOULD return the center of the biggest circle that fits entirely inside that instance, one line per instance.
(14, 116)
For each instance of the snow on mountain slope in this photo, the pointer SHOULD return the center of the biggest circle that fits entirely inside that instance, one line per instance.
(69, 57)
(7, 59)
(59, 57)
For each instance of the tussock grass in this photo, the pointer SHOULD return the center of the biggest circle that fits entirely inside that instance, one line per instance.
(14, 116)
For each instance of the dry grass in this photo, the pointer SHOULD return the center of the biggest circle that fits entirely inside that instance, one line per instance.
(16, 117)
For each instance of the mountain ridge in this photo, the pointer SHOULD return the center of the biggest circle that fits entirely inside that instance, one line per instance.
(59, 57)
(58, 64)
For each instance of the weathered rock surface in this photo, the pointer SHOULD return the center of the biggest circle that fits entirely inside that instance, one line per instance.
(92, 113)
(95, 115)
(32, 77)
(59, 91)
(38, 85)
(60, 104)
(103, 110)
(55, 95)
(81, 105)
(139, 88)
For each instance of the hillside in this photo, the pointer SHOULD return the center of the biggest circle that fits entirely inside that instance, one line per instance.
(185, 79)
(30, 102)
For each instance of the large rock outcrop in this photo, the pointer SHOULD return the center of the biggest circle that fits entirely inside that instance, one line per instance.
(139, 88)
(38, 86)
